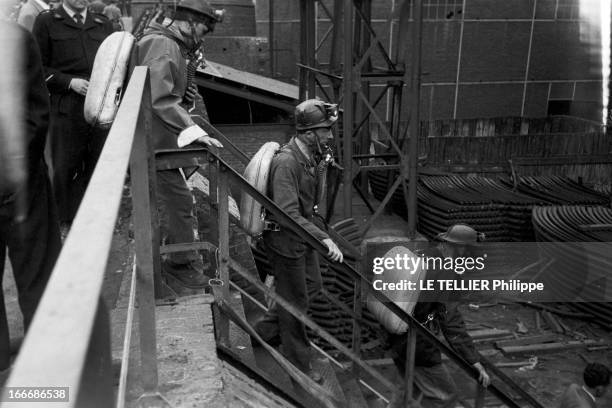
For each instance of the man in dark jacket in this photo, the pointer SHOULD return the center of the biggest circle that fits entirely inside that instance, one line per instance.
(28, 219)
(431, 378)
(292, 184)
(165, 49)
(69, 37)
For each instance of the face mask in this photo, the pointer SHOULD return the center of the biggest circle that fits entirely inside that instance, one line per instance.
(320, 151)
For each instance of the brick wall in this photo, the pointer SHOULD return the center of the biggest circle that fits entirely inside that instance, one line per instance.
(495, 43)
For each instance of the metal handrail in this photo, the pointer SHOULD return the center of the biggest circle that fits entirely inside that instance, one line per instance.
(65, 331)
(201, 156)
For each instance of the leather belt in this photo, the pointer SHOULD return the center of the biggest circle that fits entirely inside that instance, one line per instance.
(271, 226)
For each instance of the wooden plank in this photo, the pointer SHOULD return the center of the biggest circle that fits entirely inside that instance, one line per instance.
(560, 160)
(555, 310)
(380, 362)
(488, 333)
(214, 69)
(552, 322)
(543, 338)
(549, 347)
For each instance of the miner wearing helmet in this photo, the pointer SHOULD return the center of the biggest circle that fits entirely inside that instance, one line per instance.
(433, 384)
(167, 47)
(292, 184)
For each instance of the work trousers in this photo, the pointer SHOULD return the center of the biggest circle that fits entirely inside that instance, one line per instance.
(298, 279)
(33, 246)
(74, 147)
(176, 214)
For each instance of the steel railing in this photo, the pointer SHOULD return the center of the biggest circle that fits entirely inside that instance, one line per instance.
(70, 312)
(220, 176)
(68, 343)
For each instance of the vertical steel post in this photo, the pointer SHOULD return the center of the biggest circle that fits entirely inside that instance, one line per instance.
(363, 38)
(415, 125)
(479, 401)
(409, 375)
(271, 37)
(347, 120)
(311, 38)
(356, 346)
(96, 390)
(224, 248)
(307, 48)
(302, 74)
(336, 44)
(146, 239)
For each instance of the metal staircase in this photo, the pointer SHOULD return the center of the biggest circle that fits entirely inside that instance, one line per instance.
(349, 382)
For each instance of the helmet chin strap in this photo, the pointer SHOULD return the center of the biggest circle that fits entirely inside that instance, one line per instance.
(320, 151)
(313, 145)
(197, 41)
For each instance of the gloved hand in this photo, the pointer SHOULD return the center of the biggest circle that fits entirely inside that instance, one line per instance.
(209, 141)
(190, 94)
(334, 252)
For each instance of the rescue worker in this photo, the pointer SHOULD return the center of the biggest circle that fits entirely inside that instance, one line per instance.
(69, 37)
(32, 239)
(432, 380)
(164, 48)
(293, 185)
(596, 379)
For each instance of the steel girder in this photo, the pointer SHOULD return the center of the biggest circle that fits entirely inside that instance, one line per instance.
(349, 85)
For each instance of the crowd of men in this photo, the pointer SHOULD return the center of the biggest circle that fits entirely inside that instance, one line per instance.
(58, 58)
(58, 61)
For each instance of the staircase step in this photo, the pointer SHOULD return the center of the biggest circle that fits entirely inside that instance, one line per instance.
(263, 366)
(352, 389)
(240, 341)
(240, 249)
(281, 379)
(330, 381)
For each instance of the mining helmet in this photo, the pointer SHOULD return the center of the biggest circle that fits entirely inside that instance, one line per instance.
(313, 114)
(199, 8)
(460, 234)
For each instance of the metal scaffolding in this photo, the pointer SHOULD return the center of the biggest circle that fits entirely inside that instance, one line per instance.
(350, 83)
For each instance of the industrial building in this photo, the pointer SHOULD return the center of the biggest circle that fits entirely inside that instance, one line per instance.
(487, 113)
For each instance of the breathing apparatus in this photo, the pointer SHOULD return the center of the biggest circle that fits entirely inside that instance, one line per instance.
(194, 12)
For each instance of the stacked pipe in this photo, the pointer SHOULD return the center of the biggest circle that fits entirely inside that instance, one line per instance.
(497, 208)
(559, 190)
(488, 205)
(571, 276)
(484, 203)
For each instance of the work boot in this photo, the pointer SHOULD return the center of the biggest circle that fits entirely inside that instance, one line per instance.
(267, 328)
(189, 275)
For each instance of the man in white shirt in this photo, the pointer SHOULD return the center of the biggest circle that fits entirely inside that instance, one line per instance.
(165, 49)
